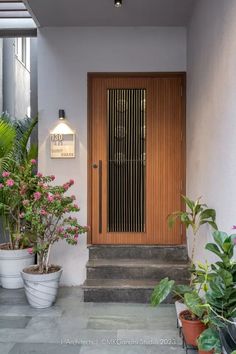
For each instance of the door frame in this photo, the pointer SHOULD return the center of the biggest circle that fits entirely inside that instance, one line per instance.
(90, 77)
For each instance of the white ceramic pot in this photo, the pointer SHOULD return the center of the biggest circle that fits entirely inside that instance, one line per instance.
(41, 289)
(11, 264)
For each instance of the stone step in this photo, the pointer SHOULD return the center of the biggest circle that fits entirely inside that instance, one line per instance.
(120, 290)
(136, 269)
(159, 252)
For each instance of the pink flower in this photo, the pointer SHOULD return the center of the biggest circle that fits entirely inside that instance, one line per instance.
(5, 174)
(43, 212)
(57, 196)
(66, 209)
(71, 182)
(25, 202)
(22, 215)
(39, 175)
(234, 227)
(76, 206)
(1, 185)
(50, 198)
(76, 237)
(52, 177)
(10, 182)
(66, 186)
(37, 195)
(33, 162)
(30, 250)
(60, 229)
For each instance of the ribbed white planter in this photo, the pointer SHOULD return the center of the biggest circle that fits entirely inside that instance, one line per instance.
(41, 289)
(11, 264)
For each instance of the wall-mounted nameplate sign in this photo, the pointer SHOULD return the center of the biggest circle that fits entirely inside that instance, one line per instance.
(62, 146)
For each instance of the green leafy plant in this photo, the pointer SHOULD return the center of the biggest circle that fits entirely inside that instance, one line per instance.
(195, 216)
(15, 135)
(216, 283)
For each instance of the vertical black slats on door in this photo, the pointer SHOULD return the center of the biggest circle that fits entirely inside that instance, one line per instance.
(126, 160)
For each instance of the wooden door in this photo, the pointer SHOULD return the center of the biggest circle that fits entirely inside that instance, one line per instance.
(136, 159)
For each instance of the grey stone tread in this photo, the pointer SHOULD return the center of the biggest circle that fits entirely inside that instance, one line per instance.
(135, 263)
(119, 283)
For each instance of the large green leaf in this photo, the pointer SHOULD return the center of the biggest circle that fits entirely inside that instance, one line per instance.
(7, 134)
(220, 237)
(161, 291)
(208, 340)
(180, 290)
(213, 248)
(194, 304)
(226, 276)
(208, 213)
(190, 203)
(218, 287)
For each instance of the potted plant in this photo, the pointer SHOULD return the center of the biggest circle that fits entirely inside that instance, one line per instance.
(220, 297)
(15, 187)
(216, 307)
(195, 215)
(48, 212)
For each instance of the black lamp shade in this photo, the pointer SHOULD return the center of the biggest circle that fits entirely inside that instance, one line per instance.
(62, 114)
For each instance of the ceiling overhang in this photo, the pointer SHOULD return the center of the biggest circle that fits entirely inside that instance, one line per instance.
(69, 13)
(15, 19)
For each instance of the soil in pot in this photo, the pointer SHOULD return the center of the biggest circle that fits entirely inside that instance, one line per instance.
(35, 270)
(191, 327)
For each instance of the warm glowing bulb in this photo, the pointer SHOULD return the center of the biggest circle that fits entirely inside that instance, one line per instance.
(118, 3)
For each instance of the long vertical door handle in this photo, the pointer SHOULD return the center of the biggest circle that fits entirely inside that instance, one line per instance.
(100, 196)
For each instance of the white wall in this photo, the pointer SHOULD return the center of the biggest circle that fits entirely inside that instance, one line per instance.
(211, 111)
(65, 55)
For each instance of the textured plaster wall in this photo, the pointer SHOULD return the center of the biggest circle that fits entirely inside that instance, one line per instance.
(211, 112)
(65, 55)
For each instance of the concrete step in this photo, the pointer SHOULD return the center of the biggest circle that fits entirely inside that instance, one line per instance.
(159, 252)
(120, 290)
(134, 269)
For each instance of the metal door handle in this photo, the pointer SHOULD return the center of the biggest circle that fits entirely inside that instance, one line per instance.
(99, 166)
(100, 196)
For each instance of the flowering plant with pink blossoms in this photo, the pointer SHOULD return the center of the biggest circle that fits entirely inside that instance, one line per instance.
(16, 186)
(48, 211)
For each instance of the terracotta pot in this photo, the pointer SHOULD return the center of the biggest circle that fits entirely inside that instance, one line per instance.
(204, 352)
(191, 329)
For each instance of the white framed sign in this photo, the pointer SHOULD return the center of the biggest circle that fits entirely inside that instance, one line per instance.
(62, 145)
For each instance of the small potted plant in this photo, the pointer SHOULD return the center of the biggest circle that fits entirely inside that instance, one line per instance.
(48, 212)
(195, 215)
(15, 187)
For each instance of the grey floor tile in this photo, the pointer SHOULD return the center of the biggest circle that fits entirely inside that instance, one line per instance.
(26, 310)
(12, 297)
(130, 349)
(38, 348)
(14, 321)
(6, 347)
